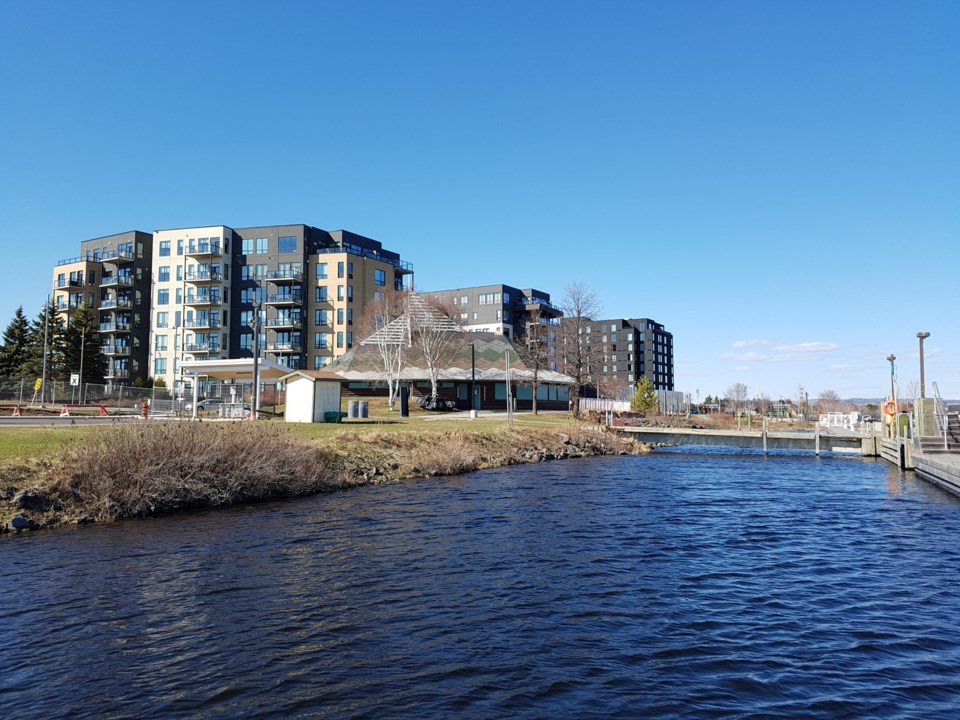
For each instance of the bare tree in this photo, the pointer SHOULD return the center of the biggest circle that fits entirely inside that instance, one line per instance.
(829, 401)
(435, 334)
(737, 394)
(579, 352)
(533, 348)
(384, 325)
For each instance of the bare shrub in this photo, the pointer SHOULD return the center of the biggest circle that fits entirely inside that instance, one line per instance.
(130, 471)
(448, 455)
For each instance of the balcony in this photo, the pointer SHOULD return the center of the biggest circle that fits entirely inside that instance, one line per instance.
(115, 350)
(284, 322)
(202, 299)
(116, 281)
(281, 347)
(284, 276)
(68, 283)
(202, 348)
(116, 304)
(290, 298)
(350, 249)
(114, 327)
(118, 374)
(199, 248)
(118, 256)
(202, 323)
(203, 275)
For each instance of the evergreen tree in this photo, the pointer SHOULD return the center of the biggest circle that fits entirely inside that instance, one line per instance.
(644, 398)
(13, 352)
(33, 362)
(82, 346)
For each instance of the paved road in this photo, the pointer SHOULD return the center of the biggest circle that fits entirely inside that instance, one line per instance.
(37, 420)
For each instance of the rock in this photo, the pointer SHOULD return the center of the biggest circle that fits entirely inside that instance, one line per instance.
(85, 520)
(21, 522)
(8, 492)
(32, 500)
(565, 439)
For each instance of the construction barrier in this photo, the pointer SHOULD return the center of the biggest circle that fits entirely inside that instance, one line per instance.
(16, 412)
(64, 411)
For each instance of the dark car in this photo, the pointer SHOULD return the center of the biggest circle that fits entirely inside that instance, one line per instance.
(436, 402)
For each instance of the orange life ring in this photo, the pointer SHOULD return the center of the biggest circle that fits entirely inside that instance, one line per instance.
(890, 408)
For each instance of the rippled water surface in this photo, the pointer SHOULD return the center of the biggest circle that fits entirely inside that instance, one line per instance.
(673, 585)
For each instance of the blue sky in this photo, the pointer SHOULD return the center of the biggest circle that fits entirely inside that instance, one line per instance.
(776, 182)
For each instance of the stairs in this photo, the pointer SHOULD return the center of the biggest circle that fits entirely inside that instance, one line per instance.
(934, 443)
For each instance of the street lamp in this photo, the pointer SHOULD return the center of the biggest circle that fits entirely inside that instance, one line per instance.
(256, 361)
(890, 358)
(923, 336)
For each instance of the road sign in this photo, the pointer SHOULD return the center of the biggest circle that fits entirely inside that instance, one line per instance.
(37, 384)
(74, 379)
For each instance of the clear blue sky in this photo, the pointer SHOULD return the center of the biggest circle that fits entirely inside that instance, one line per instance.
(776, 182)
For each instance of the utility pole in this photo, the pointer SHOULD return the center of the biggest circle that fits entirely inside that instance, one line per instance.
(43, 375)
(256, 361)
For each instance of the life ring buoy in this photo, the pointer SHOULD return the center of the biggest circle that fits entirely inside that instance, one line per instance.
(890, 408)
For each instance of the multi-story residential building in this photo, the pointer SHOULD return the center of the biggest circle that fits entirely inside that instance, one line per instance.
(112, 276)
(627, 349)
(500, 309)
(206, 292)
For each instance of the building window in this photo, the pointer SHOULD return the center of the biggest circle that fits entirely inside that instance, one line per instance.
(379, 277)
(349, 339)
(350, 270)
(349, 316)
(261, 246)
(464, 300)
(322, 293)
(339, 292)
(163, 297)
(246, 248)
(321, 271)
(160, 344)
(339, 338)
(179, 296)
(339, 269)
(350, 293)
(246, 272)
(164, 248)
(339, 316)
(320, 317)
(159, 366)
(246, 341)
(287, 244)
(320, 341)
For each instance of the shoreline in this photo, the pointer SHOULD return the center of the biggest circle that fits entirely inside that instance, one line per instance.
(199, 466)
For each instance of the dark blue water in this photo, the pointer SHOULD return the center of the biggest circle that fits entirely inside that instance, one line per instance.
(674, 585)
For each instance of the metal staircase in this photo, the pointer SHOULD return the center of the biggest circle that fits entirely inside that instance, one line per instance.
(947, 439)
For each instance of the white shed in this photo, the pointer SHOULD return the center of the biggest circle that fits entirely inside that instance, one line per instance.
(310, 395)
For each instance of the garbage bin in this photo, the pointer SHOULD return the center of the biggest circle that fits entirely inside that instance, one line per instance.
(351, 409)
(364, 408)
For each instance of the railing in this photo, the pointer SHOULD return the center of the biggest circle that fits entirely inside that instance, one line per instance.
(202, 347)
(114, 303)
(208, 323)
(538, 301)
(203, 275)
(112, 280)
(114, 327)
(115, 349)
(361, 252)
(123, 254)
(203, 248)
(119, 374)
(940, 412)
(284, 322)
(284, 347)
(68, 283)
(285, 298)
(202, 300)
(296, 275)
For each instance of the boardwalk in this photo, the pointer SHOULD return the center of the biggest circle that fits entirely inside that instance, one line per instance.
(815, 441)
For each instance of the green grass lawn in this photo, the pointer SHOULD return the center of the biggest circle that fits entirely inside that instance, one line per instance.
(35, 441)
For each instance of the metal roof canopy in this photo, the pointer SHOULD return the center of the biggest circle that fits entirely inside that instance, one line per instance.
(238, 369)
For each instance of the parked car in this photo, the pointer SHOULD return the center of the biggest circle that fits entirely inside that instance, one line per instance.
(436, 402)
(207, 404)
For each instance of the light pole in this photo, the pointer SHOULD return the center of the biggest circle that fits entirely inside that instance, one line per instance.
(922, 336)
(473, 381)
(891, 358)
(256, 361)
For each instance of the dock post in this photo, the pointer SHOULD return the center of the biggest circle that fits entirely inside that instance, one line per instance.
(816, 447)
(764, 436)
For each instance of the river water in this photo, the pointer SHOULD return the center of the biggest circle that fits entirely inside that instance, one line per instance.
(673, 585)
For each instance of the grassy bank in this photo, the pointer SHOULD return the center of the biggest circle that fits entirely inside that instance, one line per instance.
(135, 470)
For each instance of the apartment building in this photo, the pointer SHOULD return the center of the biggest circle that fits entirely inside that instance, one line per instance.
(207, 292)
(112, 276)
(628, 349)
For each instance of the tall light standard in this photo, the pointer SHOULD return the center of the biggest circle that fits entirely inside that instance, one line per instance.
(256, 361)
(891, 358)
(923, 336)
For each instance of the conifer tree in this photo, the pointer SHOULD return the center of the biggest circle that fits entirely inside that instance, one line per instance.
(33, 362)
(82, 346)
(13, 352)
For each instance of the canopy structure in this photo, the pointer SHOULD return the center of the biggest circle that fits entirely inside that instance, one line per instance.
(232, 369)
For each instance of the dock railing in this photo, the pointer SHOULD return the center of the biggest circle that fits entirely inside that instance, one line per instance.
(940, 413)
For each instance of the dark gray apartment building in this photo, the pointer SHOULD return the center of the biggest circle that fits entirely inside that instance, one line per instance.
(627, 349)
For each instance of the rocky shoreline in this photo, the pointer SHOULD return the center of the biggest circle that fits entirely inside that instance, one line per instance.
(81, 486)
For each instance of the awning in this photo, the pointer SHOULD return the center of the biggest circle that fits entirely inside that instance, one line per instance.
(238, 369)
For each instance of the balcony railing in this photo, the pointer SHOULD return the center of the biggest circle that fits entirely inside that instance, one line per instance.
(202, 323)
(284, 322)
(294, 298)
(284, 347)
(116, 281)
(116, 303)
(118, 374)
(546, 304)
(68, 283)
(212, 299)
(123, 255)
(203, 275)
(285, 276)
(362, 252)
(204, 347)
(119, 350)
(114, 327)
(203, 248)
